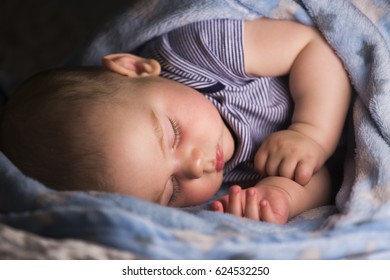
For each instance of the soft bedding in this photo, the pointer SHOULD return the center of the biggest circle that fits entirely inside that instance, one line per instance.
(357, 227)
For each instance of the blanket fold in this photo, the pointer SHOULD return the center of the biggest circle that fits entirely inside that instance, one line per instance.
(359, 32)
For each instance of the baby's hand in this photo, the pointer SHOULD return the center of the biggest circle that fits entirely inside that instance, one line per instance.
(289, 154)
(260, 203)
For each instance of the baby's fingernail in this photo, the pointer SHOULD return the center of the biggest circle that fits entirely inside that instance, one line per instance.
(235, 189)
(251, 192)
(264, 203)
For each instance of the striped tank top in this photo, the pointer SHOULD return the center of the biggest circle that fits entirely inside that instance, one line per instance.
(209, 57)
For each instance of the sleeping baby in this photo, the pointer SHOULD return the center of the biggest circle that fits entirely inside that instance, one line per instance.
(256, 105)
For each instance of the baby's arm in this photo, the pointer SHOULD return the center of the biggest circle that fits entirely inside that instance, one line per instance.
(276, 199)
(319, 87)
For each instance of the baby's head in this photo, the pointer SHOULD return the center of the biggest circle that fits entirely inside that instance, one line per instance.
(119, 129)
(46, 128)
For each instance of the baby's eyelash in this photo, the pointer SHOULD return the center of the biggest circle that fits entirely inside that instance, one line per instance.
(175, 190)
(177, 131)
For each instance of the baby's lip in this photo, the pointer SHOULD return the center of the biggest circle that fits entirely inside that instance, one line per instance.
(219, 160)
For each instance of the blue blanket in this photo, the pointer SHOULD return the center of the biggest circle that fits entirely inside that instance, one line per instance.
(359, 31)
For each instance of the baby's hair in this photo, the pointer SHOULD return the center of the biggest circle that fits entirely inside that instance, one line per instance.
(44, 132)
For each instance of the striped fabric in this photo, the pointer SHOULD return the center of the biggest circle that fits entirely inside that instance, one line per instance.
(208, 56)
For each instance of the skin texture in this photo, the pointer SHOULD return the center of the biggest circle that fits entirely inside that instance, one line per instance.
(186, 167)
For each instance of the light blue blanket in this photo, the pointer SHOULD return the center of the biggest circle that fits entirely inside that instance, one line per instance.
(359, 31)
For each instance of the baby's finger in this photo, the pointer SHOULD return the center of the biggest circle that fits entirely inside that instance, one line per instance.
(272, 166)
(217, 206)
(260, 162)
(251, 205)
(234, 207)
(267, 215)
(287, 168)
(266, 212)
(225, 201)
(303, 172)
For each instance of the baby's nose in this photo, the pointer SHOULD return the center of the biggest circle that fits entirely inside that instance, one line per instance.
(196, 165)
(193, 166)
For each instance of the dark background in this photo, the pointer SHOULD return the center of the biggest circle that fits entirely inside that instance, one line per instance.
(40, 34)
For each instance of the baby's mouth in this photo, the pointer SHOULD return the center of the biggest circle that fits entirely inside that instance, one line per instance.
(219, 159)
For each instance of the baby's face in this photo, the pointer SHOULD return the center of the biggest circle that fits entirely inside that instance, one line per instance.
(166, 143)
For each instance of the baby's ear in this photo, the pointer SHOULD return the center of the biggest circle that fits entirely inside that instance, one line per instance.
(131, 65)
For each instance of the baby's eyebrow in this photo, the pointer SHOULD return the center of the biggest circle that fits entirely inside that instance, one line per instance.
(158, 132)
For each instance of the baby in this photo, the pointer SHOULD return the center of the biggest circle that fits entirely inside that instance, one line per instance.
(258, 104)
